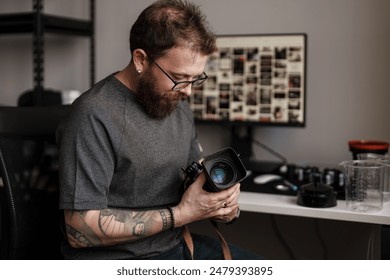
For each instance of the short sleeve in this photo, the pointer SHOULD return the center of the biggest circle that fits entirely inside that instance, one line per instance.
(86, 161)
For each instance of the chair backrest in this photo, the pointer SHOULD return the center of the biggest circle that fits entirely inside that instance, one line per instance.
(29, 214)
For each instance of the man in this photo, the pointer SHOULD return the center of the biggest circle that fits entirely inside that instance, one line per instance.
(124, 144)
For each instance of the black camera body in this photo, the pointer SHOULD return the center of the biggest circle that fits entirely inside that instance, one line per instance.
(223, 169)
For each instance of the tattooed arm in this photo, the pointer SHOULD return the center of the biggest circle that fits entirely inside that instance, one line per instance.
(113, 226)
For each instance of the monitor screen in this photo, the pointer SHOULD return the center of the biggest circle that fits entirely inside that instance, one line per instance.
(254, 79)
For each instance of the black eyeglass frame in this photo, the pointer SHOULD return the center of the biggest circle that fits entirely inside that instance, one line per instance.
(181, 85)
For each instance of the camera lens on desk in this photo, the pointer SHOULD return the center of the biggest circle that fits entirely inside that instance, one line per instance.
(299, 174)
(309, 173)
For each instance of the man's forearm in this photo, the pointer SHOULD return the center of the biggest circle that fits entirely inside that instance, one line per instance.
(113, 226)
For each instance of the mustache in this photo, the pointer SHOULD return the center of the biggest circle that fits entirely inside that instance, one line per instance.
(176, 95)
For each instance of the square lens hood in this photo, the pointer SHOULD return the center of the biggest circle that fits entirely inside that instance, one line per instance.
(223, 169)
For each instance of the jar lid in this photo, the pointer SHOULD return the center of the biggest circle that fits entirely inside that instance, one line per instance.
(369, 145)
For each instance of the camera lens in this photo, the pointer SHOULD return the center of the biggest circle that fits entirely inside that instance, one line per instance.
(221, 173)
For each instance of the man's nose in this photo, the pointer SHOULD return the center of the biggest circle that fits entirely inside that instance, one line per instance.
(187, 90)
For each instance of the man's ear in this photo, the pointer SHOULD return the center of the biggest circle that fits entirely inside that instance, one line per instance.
(139, 59)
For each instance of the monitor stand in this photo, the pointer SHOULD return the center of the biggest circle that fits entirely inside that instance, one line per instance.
(242, 143)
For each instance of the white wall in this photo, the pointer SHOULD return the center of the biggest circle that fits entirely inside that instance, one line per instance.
(348, 64)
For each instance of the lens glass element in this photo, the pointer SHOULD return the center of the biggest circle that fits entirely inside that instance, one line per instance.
(221, 174)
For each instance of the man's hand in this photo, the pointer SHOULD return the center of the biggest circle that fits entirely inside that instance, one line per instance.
(198, 204)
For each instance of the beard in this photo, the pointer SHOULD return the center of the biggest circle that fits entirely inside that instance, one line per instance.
(157, 104)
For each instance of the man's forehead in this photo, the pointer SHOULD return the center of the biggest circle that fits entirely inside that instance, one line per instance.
(180, 57)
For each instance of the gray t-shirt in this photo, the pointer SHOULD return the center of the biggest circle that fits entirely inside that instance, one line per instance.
(113, 155)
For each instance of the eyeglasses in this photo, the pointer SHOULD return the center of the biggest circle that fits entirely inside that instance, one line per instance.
(180, 85)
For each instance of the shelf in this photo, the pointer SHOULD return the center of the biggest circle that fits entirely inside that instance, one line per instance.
(25, 23)
(37, 23)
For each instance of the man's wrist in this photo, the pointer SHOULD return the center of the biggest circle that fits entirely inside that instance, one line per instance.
(172, 214)
(178, 216)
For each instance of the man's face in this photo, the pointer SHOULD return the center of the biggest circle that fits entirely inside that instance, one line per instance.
(154, 90)
(157, 103)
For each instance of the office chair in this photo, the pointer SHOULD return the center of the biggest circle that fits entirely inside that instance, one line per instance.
(29, 225)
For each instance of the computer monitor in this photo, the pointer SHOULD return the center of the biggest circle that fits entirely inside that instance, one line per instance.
(254, 80)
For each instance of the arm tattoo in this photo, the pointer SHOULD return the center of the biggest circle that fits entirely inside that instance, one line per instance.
(139, 229)
(118, 221)
(76, 237)
(114, 225)
(80, 234)
(164, 218)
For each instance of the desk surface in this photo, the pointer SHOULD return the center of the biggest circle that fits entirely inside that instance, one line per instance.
(287, 205)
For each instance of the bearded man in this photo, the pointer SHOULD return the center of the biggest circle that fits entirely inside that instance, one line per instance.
(125, 141)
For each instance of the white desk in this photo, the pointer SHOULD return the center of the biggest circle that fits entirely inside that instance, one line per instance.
(287, 205)
(340, 228)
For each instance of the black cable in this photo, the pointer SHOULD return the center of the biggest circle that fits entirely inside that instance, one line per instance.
(271, 151)
(281, 238)
(321, 238)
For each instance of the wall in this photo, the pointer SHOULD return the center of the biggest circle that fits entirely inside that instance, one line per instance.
(348, 60)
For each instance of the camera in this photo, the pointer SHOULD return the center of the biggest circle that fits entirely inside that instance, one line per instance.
(223, 169)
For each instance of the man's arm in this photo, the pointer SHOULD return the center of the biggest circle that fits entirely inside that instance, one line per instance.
(113, 226)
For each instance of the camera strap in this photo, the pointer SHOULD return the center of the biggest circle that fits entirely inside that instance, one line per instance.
(190, 244)
(225, 247)
(188, 240)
